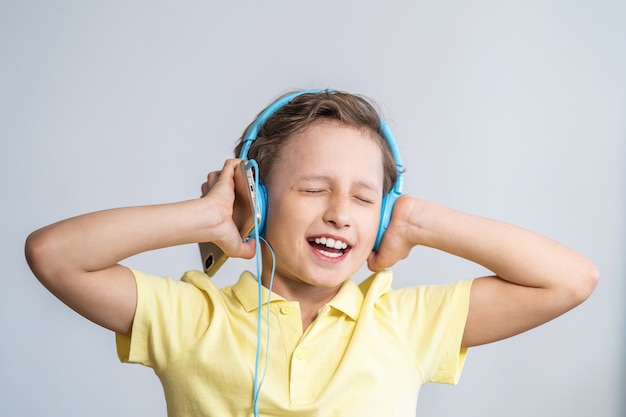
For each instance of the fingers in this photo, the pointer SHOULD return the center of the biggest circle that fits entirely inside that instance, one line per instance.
(213, 177)
(220, 187)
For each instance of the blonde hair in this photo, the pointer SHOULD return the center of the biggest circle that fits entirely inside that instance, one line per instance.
(304, 110)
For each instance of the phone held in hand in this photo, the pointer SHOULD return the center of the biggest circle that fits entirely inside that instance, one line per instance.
(213, 257)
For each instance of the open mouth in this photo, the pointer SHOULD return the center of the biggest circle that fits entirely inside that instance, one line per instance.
(327, 246)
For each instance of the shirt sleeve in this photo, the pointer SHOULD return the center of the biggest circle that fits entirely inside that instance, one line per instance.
(432, 320)
(169, 316)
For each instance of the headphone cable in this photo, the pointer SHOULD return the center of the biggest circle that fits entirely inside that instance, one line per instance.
(258, 238)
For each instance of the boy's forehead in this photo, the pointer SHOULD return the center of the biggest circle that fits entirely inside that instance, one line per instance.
(332, 144)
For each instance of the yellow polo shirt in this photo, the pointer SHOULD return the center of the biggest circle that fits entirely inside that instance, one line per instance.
(367, 353)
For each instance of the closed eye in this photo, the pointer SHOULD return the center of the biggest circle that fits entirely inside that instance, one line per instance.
(364, 199)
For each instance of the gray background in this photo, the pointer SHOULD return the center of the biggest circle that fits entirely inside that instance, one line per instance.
(512, 110)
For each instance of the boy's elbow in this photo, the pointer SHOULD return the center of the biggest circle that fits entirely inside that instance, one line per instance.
(32, 250)
(586, 283)
(37, 250)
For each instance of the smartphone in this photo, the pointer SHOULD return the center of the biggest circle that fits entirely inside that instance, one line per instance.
(213, 257)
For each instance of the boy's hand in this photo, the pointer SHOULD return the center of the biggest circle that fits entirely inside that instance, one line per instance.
(400, 236)
(220, 188)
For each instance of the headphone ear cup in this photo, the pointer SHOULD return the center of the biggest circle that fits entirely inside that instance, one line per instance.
(261, 203)
(386, 210)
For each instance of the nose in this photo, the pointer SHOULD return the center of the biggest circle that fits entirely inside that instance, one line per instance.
(338, 211)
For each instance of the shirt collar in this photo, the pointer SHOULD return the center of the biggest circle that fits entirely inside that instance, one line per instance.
(348, 300)
(247, 291)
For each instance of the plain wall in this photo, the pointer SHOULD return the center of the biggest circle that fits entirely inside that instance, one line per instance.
(513, 110)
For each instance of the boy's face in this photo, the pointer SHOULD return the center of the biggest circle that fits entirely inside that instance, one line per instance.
(324, 198)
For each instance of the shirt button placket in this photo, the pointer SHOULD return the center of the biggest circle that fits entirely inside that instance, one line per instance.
(300, 377)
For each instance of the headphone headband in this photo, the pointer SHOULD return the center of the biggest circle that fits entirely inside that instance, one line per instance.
(269, 111)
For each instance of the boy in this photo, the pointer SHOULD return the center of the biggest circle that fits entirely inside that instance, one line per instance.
(333, 348)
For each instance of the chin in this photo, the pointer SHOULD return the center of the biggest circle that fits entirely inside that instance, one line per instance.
(329, 280)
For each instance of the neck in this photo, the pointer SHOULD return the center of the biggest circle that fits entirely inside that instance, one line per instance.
(311, 298)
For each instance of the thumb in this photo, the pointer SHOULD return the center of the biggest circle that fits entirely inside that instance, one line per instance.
(374, 262)
(390, 252)
(249, 249)
(243, 249)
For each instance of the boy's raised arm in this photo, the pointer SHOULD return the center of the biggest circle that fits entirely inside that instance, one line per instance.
(536, 279)
(78, 259)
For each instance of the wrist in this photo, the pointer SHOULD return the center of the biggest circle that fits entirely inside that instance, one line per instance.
(426, 222)
(205, 220)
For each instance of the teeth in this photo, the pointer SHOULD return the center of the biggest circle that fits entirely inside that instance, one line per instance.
(331, 254)
(331, 243)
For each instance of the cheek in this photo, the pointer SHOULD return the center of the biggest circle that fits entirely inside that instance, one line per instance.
(368, 224)
(284, 216)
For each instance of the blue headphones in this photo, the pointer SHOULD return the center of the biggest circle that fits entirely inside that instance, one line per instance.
(389, 199)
